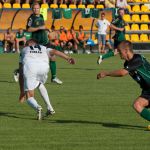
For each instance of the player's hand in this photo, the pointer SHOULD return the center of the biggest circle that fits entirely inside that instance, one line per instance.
(121, 29)
(101, 75)
(71, 61)
(42, 27)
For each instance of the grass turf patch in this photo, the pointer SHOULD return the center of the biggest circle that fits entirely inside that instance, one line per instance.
(90, 114)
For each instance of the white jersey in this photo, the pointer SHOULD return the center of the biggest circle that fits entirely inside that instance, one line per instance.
(102, 26)
(122, 3)
(35, 54)
(35, 61)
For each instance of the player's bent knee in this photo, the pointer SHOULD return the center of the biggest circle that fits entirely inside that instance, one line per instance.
(137, 106)
(29, 94)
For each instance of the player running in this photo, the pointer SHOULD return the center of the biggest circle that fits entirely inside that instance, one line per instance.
(118, 24)
(35, 61)
(139, 69)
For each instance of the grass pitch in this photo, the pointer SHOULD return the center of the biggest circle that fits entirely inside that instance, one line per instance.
(90, 114)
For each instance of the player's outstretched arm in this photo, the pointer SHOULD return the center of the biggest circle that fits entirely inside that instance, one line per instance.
(62, 55)
(32, 29)
(116, 28)
(116, 73)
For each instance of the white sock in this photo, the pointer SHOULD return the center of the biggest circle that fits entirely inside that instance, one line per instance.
(5, 49)
(33, 103)
(13, 50)
(45, 97)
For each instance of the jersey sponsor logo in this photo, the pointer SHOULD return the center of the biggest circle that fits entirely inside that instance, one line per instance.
(39, 52)
(30, 22)
(35, 49)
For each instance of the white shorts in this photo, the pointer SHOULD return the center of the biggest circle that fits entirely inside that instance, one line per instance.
(34, 75)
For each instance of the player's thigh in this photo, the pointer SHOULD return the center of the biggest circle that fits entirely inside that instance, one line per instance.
(30, 82)
(30, 74)
(43, 74)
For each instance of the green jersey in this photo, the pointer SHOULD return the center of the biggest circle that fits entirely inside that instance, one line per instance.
(95, 13)
(139, 69)
(86, 13)
(57, 13)
(67, 13)
(20, 35)
(119, 23)
(41, 35)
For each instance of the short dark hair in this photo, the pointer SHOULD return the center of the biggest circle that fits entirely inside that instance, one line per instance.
(120, 9)
(126, 44)
(52, 27)
(31, 41)
(103, 13)
(80, 27)
(36, 3)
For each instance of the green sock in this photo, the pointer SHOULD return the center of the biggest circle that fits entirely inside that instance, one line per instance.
(53, 69)
(110, 53)
(145, 114)
(58, 48)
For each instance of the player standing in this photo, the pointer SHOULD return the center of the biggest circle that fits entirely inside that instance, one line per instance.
(102, 25)
(36, 25)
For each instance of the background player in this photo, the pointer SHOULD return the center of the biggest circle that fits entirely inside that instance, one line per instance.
(118, 24)
(102, 25)
(36, 25)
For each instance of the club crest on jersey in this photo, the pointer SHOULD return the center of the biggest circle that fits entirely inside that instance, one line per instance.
(37, 23)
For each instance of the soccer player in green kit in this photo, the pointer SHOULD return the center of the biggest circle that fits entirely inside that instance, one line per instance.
(118, 24)
(36, 25)
(139, 69)
(20, 38)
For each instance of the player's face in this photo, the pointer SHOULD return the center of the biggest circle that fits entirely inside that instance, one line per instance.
(36, 9)
(102, 17)
(122, 53)
(20, 31)
(121, 13)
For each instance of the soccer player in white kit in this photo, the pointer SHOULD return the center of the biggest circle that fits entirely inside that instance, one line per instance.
(35, 60)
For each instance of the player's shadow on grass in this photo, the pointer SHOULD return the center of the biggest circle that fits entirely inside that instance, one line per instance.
(87, 69)
(104, 124)
(15, 115)
(4, 81)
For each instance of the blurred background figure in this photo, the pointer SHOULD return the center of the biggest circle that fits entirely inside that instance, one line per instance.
(20, 39)
(102, 25)
(9, 41)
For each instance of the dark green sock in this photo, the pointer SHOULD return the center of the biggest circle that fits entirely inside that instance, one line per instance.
(145, 114)
(53, 69)
(110, 53)
(58, 48)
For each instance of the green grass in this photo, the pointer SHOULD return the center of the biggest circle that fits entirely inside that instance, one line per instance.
(90, 114)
